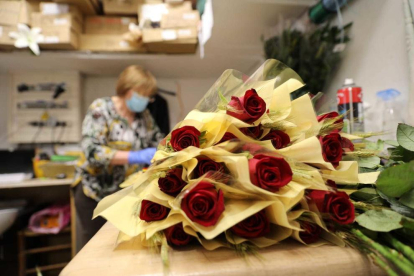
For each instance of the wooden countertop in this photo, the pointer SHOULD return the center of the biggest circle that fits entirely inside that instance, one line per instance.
(36, 183)
(98, 257)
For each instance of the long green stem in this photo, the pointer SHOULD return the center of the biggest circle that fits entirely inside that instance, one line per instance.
(385, 251)
(404, 249)
(377, 260)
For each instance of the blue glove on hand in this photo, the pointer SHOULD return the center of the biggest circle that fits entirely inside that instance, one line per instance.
(141, 156)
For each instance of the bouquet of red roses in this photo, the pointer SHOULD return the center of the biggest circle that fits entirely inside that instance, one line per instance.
(246, 169)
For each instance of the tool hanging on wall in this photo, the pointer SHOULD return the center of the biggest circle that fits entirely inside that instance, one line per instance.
(42, 105)
(56, 88)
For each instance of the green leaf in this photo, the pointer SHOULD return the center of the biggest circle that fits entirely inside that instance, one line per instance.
(397, 206)
(222, 98)
(368, 195)
(391, 143)
(405, 136)
(408, 199)
(380, 220)
(396, 181)
(371, 162)
(407, 223)
(401, 154)
(379, 145)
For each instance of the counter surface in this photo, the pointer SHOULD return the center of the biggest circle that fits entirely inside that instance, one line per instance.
(36, 183)
(99, 257)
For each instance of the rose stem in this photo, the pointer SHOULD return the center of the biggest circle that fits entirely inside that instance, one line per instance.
(406, 250)
(401, 263)
(377, 260)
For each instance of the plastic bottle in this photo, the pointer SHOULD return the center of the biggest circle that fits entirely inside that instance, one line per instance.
(350, 104)
(390, 112)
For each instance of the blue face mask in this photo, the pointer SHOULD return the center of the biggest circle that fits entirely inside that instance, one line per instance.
(137, 103)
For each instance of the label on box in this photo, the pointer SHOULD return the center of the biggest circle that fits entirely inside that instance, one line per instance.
(189, 16)
(51, 39)
(184, 33)
(60, 21)
(54, 8)
(169, 35)
(125, 20)
(123, 44)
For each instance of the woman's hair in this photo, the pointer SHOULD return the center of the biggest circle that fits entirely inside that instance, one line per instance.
(135, 77)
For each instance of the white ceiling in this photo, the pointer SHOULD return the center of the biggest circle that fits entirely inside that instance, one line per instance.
(235, 43)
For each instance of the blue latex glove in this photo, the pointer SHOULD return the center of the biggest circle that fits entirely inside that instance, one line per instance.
(141, 156)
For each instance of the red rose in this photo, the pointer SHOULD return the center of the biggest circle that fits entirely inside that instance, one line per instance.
(185, 137)
(176, 236)
(330, 115)
(151, 211)
(269, 173)
(206, 165)
(347, 144)
(336, 204)
(172, 183)
(252, 227)
(332, 148)
(311, 232)
(248, 108)
(331, 184)
(226, 137)
(278, 137)
(253, 132)
(203, 204)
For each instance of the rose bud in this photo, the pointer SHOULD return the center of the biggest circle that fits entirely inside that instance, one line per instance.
(255, 226)
(335, 204)
(248, 108)
(172, 183)
(176, 236)
(185, 137)
(206, 165)
(203, 204)
(226, 137)
(269, 173)
(253, 132)
(311, 232)
(278, 137)
(332, 148)
(347, 145)
(151, 211)
(330, 115)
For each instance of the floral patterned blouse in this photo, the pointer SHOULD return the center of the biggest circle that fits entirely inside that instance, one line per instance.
(104, 132)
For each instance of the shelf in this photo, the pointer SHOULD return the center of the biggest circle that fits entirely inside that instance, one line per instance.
(29, 233)
(48, 249)
(37, 183)
(46, 268)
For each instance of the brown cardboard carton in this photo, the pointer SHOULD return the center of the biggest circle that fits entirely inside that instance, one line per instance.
(87, 7)
(121, 7)
(108, 43)
(182, 46)
(180, 19)
(160, 35)
(67, 20)
(154, 12)
(14, 12)
(107, 24)
(50, 8)
(6, 42)
(59, 38)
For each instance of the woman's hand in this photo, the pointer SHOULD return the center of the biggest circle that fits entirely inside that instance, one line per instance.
(142, 156)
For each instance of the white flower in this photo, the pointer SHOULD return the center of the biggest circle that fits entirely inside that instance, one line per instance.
(26, 37)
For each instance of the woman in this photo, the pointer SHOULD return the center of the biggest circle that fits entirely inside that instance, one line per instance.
(119, 137)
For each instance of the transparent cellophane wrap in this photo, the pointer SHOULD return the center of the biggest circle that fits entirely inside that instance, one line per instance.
(273, 82)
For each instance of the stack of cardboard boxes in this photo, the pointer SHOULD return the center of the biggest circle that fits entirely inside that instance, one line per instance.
(12, 13)
(169, 27)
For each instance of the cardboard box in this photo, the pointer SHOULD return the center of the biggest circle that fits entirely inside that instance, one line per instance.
(121, 7)
(67, 20)
(49, 8)
(6, 42)
(182, 46)
(107, 24)
(160, 35)
(108, 43)
(154, 12)
(87, 7)
(180, 19)
(59, 38)
(14, 12)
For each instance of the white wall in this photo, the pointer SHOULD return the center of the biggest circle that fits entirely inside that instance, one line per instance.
(376, 58)
(192, 91)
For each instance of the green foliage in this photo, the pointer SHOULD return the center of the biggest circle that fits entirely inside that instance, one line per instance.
(405, 136)
(380, 220)
(368, 195)
(408, 199)
(396, 181)
(371, 162)
(311, 55)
